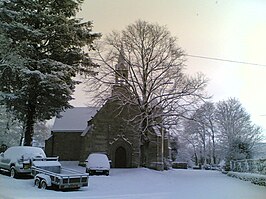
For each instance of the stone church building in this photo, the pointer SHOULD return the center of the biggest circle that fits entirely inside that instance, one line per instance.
(110, 130)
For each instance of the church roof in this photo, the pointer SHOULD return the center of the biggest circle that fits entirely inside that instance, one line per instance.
(74, 119)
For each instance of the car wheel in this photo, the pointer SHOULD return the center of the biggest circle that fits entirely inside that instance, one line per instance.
(43, 184)
(37, 182)
(13, 173)
(107, 173)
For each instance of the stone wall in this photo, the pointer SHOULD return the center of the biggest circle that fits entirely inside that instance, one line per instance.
(66, 145)
(249, 166)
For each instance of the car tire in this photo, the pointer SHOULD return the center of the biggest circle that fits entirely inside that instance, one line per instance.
(13, 172)
(43, 184)
(107, 173)
(37, 182)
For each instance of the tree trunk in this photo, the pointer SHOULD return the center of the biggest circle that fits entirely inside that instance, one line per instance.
(213, 149)
(196, 158)
(29, 125)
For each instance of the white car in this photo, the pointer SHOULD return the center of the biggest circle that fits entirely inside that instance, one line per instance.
(18, 160)
(97, 163)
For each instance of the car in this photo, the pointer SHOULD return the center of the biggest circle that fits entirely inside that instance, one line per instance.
(97, 164)
(207, 167)
(18, 159)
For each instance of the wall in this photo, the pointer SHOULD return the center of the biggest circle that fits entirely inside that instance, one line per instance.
(66, 145)
(249, 166)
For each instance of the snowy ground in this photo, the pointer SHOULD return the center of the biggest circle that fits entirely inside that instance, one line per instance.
(141, 183)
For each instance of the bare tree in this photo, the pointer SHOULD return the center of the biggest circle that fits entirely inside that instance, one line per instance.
(146, 65)
(191, 140)
(205, 116)
(195, 131)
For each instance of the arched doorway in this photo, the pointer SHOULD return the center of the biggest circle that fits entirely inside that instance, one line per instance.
(120, 157)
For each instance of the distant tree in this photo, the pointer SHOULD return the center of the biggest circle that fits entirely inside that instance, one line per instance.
(48, 43)
(195, 133)
(42, 132)
(237, 134)
(220, 131)
(181, 150)
(11, 130)
(199, 128)
(205, 119)
(191, 140)
(150, 69)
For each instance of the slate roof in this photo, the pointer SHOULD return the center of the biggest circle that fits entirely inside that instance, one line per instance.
(74, 120)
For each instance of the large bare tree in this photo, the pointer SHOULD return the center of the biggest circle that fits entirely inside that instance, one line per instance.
(145, 60)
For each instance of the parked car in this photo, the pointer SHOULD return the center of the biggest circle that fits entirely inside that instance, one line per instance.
(97, 163)
(207, 167)
(18, 160)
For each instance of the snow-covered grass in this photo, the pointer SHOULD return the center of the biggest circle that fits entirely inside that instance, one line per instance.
(141, 183)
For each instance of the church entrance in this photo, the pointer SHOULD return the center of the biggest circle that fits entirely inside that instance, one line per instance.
(120, 157)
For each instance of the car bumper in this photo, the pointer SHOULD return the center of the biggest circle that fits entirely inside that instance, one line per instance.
(98, 171)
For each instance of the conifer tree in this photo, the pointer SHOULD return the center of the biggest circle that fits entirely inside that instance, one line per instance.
(50, 44)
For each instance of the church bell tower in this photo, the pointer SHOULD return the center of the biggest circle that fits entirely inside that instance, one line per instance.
(121, 70)
(120, 88)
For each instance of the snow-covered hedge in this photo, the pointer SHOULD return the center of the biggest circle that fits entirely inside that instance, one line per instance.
(249, 166)
(258, 179)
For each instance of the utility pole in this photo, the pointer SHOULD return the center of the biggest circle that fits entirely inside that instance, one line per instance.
(162, 151)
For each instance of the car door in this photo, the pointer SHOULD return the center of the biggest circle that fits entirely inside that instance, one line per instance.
(4, 161)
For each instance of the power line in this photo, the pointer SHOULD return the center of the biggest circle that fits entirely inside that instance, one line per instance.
(224, 60)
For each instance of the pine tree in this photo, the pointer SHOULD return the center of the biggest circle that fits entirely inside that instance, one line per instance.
(50, 42)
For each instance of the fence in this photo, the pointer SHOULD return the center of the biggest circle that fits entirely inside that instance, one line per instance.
(249, 166)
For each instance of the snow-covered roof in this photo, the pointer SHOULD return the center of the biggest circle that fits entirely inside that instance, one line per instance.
(74, 120)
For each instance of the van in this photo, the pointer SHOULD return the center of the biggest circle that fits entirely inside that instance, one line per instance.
(97, 163)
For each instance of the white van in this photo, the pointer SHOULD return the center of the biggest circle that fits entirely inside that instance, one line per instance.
(97, 163)
(18, 159)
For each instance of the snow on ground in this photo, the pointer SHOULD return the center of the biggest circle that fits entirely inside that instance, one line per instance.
(141, 183)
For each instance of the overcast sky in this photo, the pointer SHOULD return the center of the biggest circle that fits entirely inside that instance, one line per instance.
(225, 29)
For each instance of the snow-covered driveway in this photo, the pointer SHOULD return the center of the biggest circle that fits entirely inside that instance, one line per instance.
(142, 183)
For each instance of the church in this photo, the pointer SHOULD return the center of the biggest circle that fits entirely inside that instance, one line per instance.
(108, 129)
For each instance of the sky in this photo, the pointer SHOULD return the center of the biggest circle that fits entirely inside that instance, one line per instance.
(225, 29)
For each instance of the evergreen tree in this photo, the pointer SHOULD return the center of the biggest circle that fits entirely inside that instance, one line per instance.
(49, 41)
